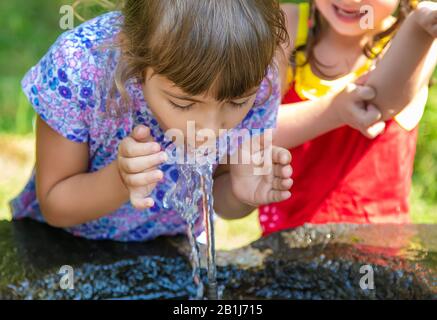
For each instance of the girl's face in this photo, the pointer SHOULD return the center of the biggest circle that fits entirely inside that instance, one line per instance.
(347, 17)
(173, 108)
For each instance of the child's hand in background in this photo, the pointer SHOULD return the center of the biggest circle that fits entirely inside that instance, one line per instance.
(253, 188)
(138, 160)
(426, 14)
(354, 110)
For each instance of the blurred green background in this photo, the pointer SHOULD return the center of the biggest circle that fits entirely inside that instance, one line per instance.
(29, 27)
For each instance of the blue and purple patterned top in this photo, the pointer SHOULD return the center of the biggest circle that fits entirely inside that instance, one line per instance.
(69, 88)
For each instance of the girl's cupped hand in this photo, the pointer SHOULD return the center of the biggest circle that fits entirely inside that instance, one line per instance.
(138, 160)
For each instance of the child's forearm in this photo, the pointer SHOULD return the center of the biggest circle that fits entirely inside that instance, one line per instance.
(85, 197)
(303, 121)
(226, 205)
(404, 69)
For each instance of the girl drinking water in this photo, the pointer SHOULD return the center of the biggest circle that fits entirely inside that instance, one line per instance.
(107, 91)
(343, 173)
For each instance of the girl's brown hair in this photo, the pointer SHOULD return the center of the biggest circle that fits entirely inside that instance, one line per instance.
(314, 35)
(227, 45)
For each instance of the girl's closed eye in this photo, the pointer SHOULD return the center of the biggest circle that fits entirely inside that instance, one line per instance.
(187, 107)
(239, 104)
(181, 107)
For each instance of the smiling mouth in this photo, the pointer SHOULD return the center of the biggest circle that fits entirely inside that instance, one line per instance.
(348, 14)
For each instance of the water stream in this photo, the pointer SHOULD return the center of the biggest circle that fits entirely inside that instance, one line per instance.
(208, 220)
(192, 197)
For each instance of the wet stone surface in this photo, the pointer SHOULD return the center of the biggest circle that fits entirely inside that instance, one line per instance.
(310, 262)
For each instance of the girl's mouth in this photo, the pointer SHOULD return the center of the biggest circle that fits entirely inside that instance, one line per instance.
(348, 15)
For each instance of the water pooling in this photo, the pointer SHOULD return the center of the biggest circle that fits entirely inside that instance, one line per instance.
(191, 197)
(308, 262)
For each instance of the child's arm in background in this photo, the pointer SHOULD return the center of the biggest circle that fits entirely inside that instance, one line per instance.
(405, 70)
(69, 195)
(303, 121)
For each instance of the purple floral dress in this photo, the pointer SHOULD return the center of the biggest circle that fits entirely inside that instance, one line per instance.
(69, 89)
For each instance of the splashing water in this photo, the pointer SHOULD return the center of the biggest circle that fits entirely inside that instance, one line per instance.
(191, 196)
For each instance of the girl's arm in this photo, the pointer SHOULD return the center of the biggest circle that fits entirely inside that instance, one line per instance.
(225, 202)
(67, 194)
(407, 65)
(303, 121)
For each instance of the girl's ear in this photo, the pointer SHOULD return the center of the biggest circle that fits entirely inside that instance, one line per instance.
(148, 73)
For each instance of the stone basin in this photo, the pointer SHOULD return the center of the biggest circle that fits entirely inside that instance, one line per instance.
(309, 262)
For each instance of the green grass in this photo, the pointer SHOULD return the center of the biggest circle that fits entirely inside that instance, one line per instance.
(16, 160)
(425, 170)
(27, 29)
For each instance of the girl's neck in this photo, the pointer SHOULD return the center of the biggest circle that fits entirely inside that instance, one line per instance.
(342, 54)
(336, 54)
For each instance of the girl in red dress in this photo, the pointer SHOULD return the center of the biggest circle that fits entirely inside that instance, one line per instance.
(353, 154)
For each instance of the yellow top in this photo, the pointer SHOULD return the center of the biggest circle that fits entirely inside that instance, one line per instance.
(309, 86)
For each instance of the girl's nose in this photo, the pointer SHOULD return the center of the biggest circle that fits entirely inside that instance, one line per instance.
(209, 132)
(212, 130)
(212, 123)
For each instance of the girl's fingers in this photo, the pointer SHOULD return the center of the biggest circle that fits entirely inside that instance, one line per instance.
(277, 196)
(365, 93)
(375, 130)
(141, 133)
(142, 203)
(129, 148)
(281, 156)
(282, 171)
(365, 117)
(282, 184)
(140, 196)
(144, 178)
(140, 164)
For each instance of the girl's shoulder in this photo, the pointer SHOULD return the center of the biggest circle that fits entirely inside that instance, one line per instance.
(90, 41)
(66, 86)
(95, 31)
(82, 54)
